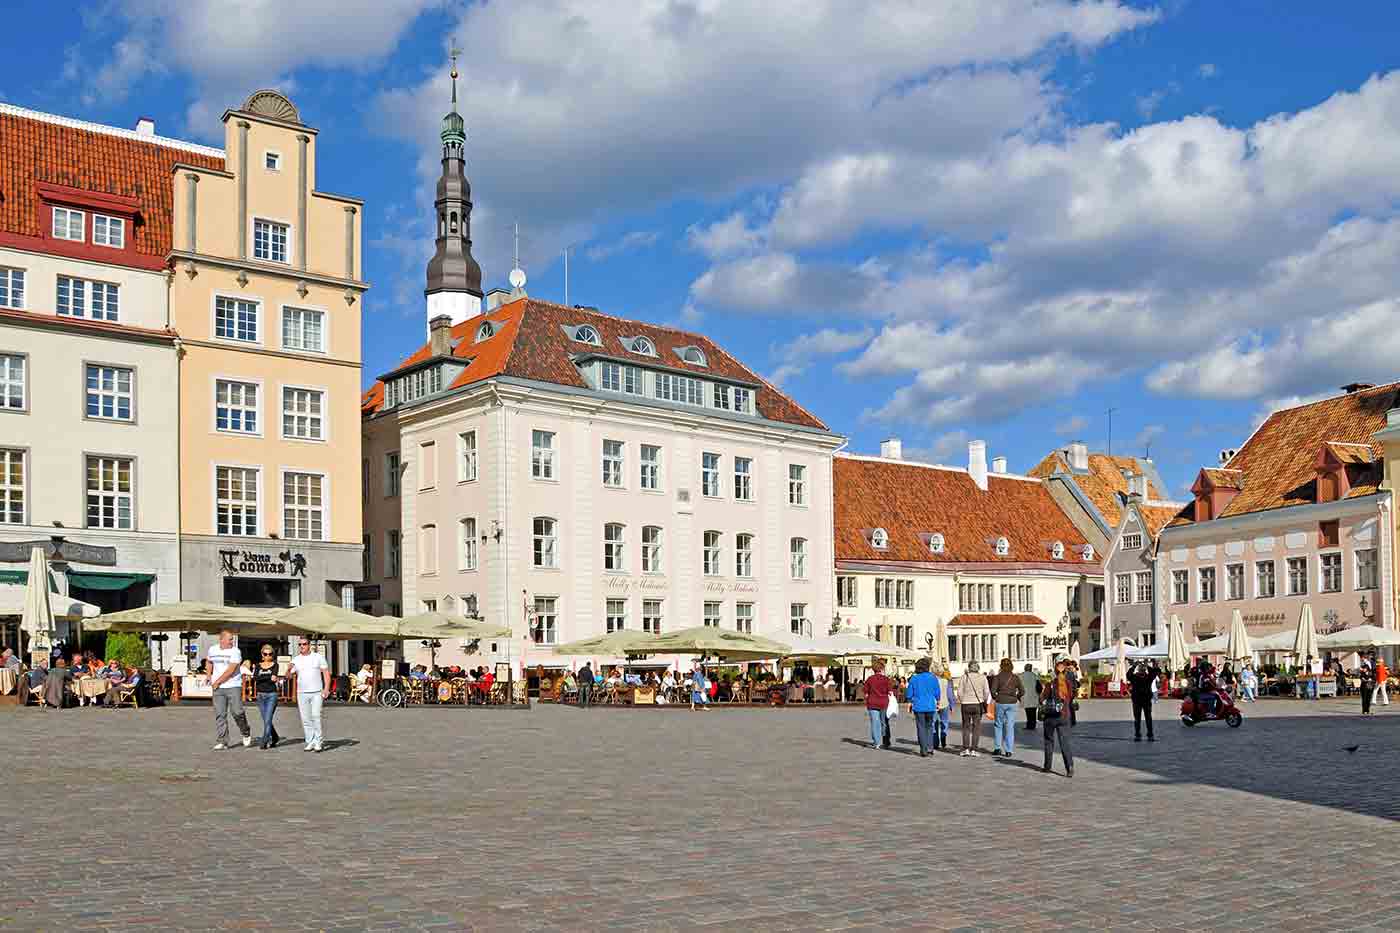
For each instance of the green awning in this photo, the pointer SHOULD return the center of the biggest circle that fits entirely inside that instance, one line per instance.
(22, 578)
(90, 580)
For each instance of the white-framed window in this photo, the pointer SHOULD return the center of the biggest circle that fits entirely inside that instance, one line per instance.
(1003, 547)
(111, 494)
(743, 555)
(1265, 582)
(743, 618)
(612, 463)
(743, 479)
(709, 475)
(651, 466)
(693, 355)
(797, 484)
(393, 554)
(1297, 576)
(586, 334)
(542, 454)
(428, 549)
(618, 377)
(672, 387)
(1122, 588)
(797, 618)
(1057, 550)
(272, 161)
(235, 319)
(797, 550)
(392, 475)
(466, 457)
(11, 288)
(466, 535)
(616, 615)
(236, 407)
(303, 506)
(236, 492)
(976, 597)
(1205, 584)
(1234, 581)
(109, 392)
(427, 465)
(743, 400)
(846, 592)
(269, 241)
(643, 346)
(651, 616)
(1366, 566)
(721, 396)
(710, 554)
(546, 543)
(108, 231)
(1181, 587)
(880, 539)
(615, 547)
(302, 413)
(12, 475)
(84, 298)
(546, 623)
(1142, 586)
(711, 617)
(651, 549)
(303, 329)
(1329, 572)
(69, 224)
(13, 385)
(1132, 542)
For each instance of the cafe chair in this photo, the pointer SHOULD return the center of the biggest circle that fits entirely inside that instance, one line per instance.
(361, 688)
(129, 695)
(37, 695)
(417, 691)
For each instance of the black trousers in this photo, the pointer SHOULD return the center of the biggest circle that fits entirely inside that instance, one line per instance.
(1030, 718)
(1057, 727)
(1142, 709)
(1367, 689)
(585, 693)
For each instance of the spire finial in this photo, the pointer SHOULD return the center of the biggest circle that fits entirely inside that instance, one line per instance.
(454, 52)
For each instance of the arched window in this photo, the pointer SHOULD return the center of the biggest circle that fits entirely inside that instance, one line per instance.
(798, 551)
(485, 331)
(452, 222)
(1003, 546)
(935, 543)
(546, 538)
(586, 334)
(880, 538)
(442, 225)
(693, 355)
(1057, 550)
(643, 345)
(711, 553)
(614, 547)
(1087, 552)
(651, 549)
(743, 555)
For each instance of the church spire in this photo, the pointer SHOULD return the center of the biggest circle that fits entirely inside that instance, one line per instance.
(454, 277)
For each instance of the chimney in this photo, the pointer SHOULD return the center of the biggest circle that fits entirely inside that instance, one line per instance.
(495, 298)
(440, 336)
(1137, 486)
(998, 464)
(977, 463)
(1078, 453)
(145, 126)
(891, 449)
(1227, 455)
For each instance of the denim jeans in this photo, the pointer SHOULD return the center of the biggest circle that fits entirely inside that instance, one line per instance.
(1004, 729)
(877, 727)
(267, 706)
(309, 705)
(1247, 693)
(941, 726)
(923, 724)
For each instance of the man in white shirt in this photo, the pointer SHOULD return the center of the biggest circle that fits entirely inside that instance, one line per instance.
(227, 690)
(313, 686)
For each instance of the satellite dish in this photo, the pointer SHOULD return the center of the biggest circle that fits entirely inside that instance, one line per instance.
(517, 278)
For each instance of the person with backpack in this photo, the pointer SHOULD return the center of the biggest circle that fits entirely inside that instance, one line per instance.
(1056, 707)
(1141, 678)
(973, 696)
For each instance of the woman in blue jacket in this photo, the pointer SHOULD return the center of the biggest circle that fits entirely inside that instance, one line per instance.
(923, 693)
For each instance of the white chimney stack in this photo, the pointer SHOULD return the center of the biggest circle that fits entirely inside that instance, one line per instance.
(977, 463)
(1078, 456)
(891, 449)
(998, 464)
(1137, 485)
(145, 126)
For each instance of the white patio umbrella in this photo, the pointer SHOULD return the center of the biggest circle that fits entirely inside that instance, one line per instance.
(1305, 638)
(1177, 655)
(1120, 663)
(1074, 651)
(1362, 636)
(1237, 645)
(37, 618)
(938, 657)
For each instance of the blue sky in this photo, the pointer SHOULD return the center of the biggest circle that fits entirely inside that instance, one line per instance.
(944, 221)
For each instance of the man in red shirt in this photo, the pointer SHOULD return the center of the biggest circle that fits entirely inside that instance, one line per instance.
(877, 698)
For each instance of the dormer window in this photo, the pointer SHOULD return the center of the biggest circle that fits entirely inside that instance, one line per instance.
(1003, 546)
(69, 224)
(935, 543)
(485, 331)
(586, 334)
(880, 539)
(1087, 552)
(643, 346)
(1057, 550)
(692, 355)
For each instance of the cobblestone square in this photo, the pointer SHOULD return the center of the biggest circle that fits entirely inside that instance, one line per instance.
(766, 819)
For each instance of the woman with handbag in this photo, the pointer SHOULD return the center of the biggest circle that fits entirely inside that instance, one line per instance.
(1056, 709)
(878, 692)
(973, 696)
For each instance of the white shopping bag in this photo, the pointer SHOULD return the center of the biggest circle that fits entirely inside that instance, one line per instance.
(892, 707)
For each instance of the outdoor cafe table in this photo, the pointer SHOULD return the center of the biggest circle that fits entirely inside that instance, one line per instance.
(91, 688)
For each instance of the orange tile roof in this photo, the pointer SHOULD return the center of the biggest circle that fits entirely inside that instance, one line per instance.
(1157, 517)
(1350, 453)
(1104, 484)
(1224, 479)
(531, 343)
(965, 619)
(911, 500)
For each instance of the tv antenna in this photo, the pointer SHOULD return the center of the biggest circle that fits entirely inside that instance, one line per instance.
(517, 274)
(1110, 430)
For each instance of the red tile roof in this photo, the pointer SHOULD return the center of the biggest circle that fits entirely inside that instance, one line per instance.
(531, 343)
(1157, 517)
(912, 501)
(1224, 479)
(1104, 484)
(994, 618)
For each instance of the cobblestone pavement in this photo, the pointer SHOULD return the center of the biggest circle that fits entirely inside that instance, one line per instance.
(760, 819)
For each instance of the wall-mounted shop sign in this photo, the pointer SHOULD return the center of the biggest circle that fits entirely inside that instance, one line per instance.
(58, 549)
(261, 564)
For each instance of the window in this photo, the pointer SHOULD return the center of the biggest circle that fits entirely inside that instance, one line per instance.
(693, 355)
(721, 396)
(798, 619)
(427, 465)
(301, 414)
(676, 388)
(880, 538)
(1123, 588)
(1057, 550)
(11, 487)
(710, 553)
(1181, 586)
(542, 454)
(651, 466)
(110, 494)
(12, 382)
(1297, 576)
(1142, 586)
(614, 547)
(466, 457)
(272, 161)
(616, 615)
(846, 592)
(485, 332)
(391, 473)
(1003, 547)
(108, 231)
(743, 618)
(546, 627)
(269, 241)
(711, 616)
(743, 479)
(303, 507)
(546, 543)
(651, 549)
(236, 319)
(466, 554)
(743, 555)
(797, 484)
(236, 501)
(975, 597)
(798, 552)
(586, 334)
(82, 298)
(430, 605)
(935, 543)
(1205, 584)
(709, 475)
(893, 594)
(1234, 581)
(68, 224)
(651, 616)
(1366, 578)
(303, 329)
(427, 549)
(620, 378)
(235, 407)
(11, 288)
(1264, 584)
(743, 400)
(1132, 542)
(1330, 580)
(109, 392)
(392, 554)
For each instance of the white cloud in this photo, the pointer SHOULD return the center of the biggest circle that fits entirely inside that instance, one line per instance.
(949, 449)
(725, 238)
(627, 243)
(796, 355)
(1072, 425)
(1208, 70)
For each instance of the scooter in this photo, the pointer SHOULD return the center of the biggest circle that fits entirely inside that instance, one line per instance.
(1193, 712)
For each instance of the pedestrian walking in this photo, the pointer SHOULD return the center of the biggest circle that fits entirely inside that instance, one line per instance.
(1030, 683)
(699, 688)
(313, 686)
(943, 722)
(1056, 706)
(585, 684)
(1142, 676)
(923, 694)
(877, 701)
(1249, 682)
(1368, 685)
(1007, 692)
(226, 693)
(1382, 677)
(973, 697)
(265, 681)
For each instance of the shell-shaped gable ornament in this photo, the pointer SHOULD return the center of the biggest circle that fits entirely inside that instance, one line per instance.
(273, 104)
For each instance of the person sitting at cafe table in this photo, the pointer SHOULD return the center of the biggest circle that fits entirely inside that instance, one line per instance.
(55, 685)
(131, 678)
(8, 660)
(419, 672)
